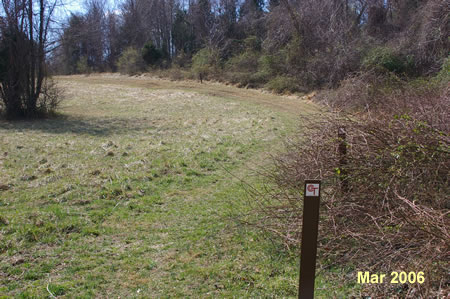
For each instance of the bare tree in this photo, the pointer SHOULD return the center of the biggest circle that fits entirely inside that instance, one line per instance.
(94, 31)
(112, 39)
(24, 30)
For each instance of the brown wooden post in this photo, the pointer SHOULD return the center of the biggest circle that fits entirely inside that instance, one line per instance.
(342, 135)
(310, 230)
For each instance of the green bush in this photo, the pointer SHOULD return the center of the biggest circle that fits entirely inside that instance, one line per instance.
(130, 62)
(152, 55)
(252, 43)
(243, 68)
(272, 64)
(205, 62)
(283, 84)
(83, 66)
(385, 59)
(247, 79)
(246, 61)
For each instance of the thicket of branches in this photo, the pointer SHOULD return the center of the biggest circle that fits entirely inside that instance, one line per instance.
(385, 204)
(285, 45)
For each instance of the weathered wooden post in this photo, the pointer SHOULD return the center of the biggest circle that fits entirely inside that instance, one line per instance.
(342, 135)
(310, 230)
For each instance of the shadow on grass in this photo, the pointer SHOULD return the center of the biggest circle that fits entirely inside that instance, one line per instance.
(64, 124)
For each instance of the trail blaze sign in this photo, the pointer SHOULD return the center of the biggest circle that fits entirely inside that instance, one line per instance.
(312, 190)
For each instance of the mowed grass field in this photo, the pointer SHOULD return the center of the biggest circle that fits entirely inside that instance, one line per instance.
(132, 192)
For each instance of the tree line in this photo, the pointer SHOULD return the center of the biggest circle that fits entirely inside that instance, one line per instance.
(163, 29)
(300, 44)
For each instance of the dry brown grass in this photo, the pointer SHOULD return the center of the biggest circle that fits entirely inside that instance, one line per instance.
(290, 104)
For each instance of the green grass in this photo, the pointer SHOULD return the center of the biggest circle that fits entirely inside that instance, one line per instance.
(129, 193)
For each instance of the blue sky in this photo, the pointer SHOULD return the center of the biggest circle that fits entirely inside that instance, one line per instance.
(69, 6)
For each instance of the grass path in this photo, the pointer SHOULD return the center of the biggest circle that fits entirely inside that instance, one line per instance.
(128, 194)
(287, 104)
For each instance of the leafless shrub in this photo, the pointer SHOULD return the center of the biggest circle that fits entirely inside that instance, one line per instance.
(386, 92)
(50, 98)
(395, 215)
(354, 92)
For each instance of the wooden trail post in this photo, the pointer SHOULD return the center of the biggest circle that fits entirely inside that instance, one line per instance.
(309, 239)
(342, 135)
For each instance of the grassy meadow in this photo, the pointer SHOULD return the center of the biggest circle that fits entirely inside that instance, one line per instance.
(132, 192)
